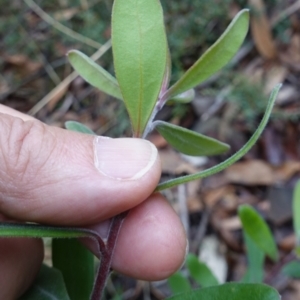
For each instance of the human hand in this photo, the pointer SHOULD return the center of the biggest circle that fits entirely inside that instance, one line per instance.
(53, 176)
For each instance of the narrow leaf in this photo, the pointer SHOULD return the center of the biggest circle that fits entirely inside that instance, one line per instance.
(178, 283)
(189, 142)
(256, 258)
(216, 57)
(296, 210)
(200, 272)
(140, 56)
(257, 229)
(39, 231)
(76, 264)
(78, 127)
(231, 291)
(292, 269)
(49, 285)
(94, 74)
(231, 160)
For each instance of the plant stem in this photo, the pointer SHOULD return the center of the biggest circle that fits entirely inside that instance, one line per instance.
(106, 256)
(228, 162)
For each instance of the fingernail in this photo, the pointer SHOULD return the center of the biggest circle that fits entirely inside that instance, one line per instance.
(124, 158)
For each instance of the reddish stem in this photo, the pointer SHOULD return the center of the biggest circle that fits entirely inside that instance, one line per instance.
(106, 256)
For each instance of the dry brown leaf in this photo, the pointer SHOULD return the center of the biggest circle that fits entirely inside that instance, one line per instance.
(288, 243)
(273, 74)
(174, 163)
(286, 171)
(156, 139)
(258, 172)
(56, 97)
(251, 172)
(23, 63)
(233, 223)
(261, 30)
(212, 197)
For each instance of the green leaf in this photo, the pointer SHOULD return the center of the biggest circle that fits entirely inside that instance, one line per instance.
(256, 258)
(231, 291)
(94, 74)
(140, 56)
(292, 269)
(296, 210)
(231, 160)
(178, 283)
(39, 231)
(189, 142)
(77, 266)
(185, 97)
(49, 285)
(78, 127)
(216, 57)
(258, 230)
(200, 272)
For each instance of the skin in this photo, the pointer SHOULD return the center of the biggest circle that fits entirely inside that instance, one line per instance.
(48, 175)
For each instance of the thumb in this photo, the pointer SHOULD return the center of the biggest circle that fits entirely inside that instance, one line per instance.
(55, 176)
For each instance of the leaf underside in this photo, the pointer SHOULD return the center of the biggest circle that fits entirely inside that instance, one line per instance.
(216, 57)
(78, 127)
(94, 74)
(190, 142)
(140, 56)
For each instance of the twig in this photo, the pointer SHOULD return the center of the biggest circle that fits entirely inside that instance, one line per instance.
(47, 18)
(30, 78)
(64, 84)
(107, 255)
(201, 230)
(286, 13)
(48, 68)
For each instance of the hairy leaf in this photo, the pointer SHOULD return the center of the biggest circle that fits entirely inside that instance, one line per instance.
(200, 272)
(189, 142)
(140, 56)
(231, 291)
(178, 283)
(78, 127)
(258, 230)
(216, 57)
(94, 74)
(39, 231)
(49, 285)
